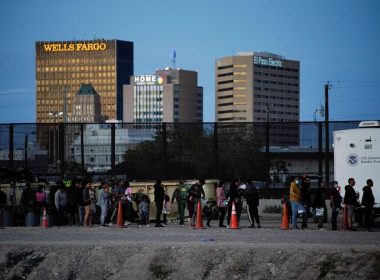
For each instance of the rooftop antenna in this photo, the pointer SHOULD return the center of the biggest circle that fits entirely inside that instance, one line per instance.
(173, 56)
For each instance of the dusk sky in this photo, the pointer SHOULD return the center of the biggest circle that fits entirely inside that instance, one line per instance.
(337, 41)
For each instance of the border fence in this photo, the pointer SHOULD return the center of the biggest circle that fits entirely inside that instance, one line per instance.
(265, 151)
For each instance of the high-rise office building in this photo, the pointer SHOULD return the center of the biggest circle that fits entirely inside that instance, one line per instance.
(170, 95)
(62, 67)
(255, 86)
(86, 106)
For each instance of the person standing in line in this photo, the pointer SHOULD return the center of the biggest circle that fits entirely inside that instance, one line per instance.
(319, 204)
(234, 195)
(197, 192)
(79, 187)
(166, 209)
(87, 203)
(180, 194)
(190, 208)
(368, 201)
(61, 204)
(72, 207)
(295, 197)
(3, 203)
(221, 203)
(335, 203)
(305, 200)
(252, 198)
(12, 196)
(93, 204)
(350, 201)
(104, 203)
(159, 196)
(144, 210)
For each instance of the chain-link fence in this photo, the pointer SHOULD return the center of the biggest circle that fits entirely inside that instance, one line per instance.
(264, 152)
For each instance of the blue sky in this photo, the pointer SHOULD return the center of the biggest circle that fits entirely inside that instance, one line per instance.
(334, 40)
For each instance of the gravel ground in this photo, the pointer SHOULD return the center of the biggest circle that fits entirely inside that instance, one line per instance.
(176, 252)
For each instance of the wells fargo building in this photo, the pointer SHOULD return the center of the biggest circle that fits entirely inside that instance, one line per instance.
(62, 67)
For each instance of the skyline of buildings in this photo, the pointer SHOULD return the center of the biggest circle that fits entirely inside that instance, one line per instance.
(249, 86)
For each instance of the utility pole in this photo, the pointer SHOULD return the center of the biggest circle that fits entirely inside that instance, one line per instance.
(327, 142)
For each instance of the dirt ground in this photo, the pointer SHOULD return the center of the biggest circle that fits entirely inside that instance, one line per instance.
(179, 252)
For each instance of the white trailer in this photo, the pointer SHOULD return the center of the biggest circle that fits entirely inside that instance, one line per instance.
(357, 155)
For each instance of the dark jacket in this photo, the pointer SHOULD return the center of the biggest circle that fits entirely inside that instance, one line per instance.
(197, 191)
(78, 196)
(251, 194)
(3, 198)
(319, 199)
(159, 193)
(305, 194)
(368, 199)
(350, 196)
(28, 198)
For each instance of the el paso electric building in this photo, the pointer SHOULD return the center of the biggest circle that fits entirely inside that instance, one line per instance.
(62, 67)
(251, 87)
(258, 87)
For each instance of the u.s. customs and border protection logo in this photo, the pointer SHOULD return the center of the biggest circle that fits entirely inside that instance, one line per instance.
(352, 159)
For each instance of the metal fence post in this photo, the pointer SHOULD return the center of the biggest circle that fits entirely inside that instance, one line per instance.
(61, 148)
(113, 148)
(320, 153)
(82, 148)
(216, 155)
(11, 146)
(164, 149)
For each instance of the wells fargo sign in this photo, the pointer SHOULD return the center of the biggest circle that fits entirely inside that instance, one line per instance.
(75, 47)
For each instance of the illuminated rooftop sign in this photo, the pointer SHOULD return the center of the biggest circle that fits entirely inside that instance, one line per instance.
(148, 80)
(268, 61)
(75, 47)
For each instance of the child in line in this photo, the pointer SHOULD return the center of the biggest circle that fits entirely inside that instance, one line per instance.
(166, 209)
(144, 211)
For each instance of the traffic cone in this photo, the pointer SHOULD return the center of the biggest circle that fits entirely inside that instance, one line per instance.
(234, 224)
(345, 218)
(45, 222)
(285, 218)
(120, 220)
(199, 222)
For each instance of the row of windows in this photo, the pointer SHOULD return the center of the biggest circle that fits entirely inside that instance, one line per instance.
(277, 112)
(94, 60)
(276, 97)
(276, 90)
(276, 83)
(231, 111)
(93, 82)
(92, 68)
(276, 75)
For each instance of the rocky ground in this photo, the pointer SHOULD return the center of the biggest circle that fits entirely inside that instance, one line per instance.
(178, 252)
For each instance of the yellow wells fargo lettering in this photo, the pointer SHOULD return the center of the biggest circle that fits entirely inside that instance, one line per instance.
(75, 47)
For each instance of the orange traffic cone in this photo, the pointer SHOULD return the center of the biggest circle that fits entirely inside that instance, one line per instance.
(234, 224)
(345, 218)
(199, 222)
(45, 222)
(120, 220)
(285, 218)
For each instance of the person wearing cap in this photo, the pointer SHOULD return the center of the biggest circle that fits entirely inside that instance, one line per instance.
(197, 193)
(180, 194)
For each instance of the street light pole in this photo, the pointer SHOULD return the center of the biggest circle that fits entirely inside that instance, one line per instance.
(327, 142)
(267, 146)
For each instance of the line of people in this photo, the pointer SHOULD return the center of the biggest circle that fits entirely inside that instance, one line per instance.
(301, 204)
